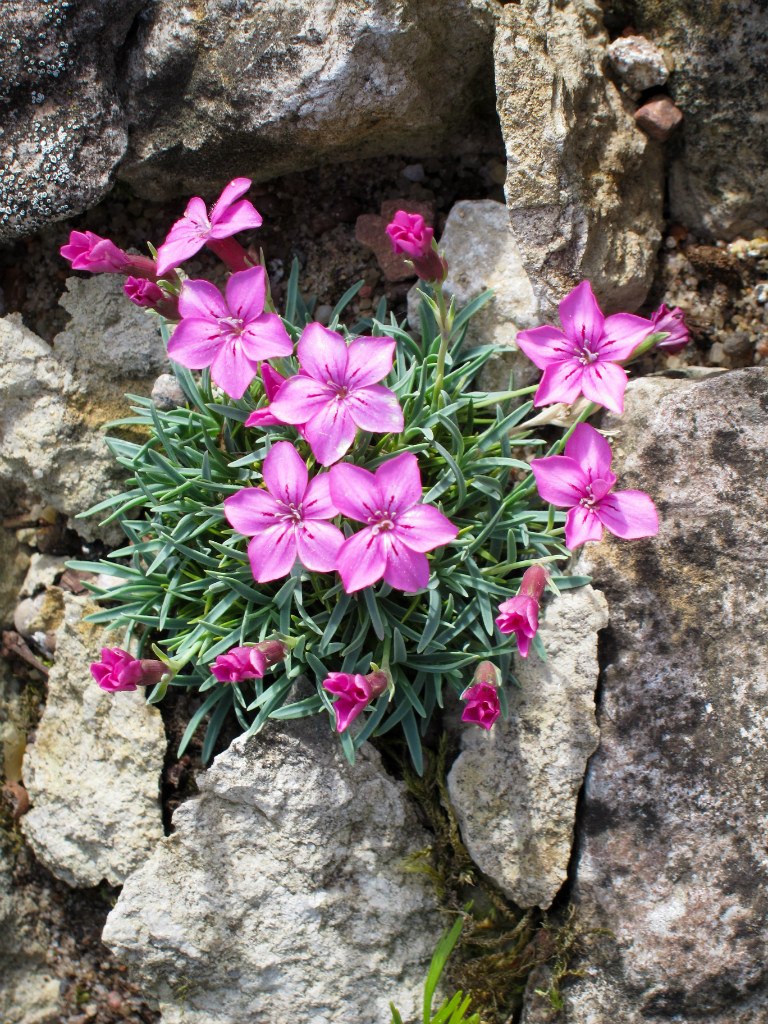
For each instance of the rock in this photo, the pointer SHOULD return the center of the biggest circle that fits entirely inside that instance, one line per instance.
(14, 562)
(514, 789)
(43, 572)
(93, 772)
(671, 839)
(370, 230)
(719, 173)
(584, 188)
(283, 893)
(224, 88)
(167, 393)
(659, 117)
(638, 63)
(63, 128)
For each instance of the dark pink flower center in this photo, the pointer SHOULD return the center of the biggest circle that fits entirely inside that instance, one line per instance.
(341, 390)
(291, 513)
(381, 522)
(589, 500)
(231, 325)
(586, 355)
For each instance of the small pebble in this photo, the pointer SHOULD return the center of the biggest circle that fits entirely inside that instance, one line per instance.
(323, 313)
(167, 393)
(761, 292)
(658, 118)
(414, 172)
(717, 354)
(638, 63)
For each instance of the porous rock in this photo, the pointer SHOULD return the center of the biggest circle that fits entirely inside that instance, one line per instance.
(283, 892)
(584, 187)
(218, 88)
(671, 861)
(93, 771)
(638, 63)
(514, 789)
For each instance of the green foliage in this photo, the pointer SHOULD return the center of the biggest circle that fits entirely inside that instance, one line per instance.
(184, 578)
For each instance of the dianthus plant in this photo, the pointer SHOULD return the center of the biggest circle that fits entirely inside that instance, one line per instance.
(336, 520)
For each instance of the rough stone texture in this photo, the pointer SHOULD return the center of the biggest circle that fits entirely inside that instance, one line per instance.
(584, 185)
(54, 400)
(62, 129)
(93, 772)
(514, 789)
(638, 63)
(672, 857)
(14, 562)
(719, 174)
(659, 118)
(217, 88)
(282, 894)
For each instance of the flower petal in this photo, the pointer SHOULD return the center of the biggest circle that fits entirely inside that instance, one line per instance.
(544, 345)
(622, 333)
(590, 449)
(629, 514)
(272, 553)
(605, 384)
(399, 483)
(245, 293)
(266, 338)
(323, 354)
(581, 525)
(560, 480)
(424, 527)
(560, 382)
(242, 216)
(232, 369)
(361, 560)
(355, 491)
(301, 398)
(186, 237)
(318, 545)
(330, 432)
(375, 408)
(229, 194)
(369, 360)
(202, 299)
(406, 570)
(317, 502)
(251, 510)
(195, 343)
(580, 315)
(285, 473)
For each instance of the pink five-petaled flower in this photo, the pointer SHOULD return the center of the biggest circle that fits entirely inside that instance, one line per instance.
(87, 251)
(197, 228)
(581, 481)
(241, 663)
(520, 614)
(286, 519)
(230, 335)
(354, 693)
(399, 527)
(583, 357)
(482, 696)
(118, 670)
(673, 322)
(337, 391)
(411, 237)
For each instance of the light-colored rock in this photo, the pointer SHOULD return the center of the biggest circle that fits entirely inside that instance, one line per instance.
(283, 893)
(638, 63)
(514, 789)
(93, 771)
(672, 836)
(220, 88)
(584, 186)
(14, 562)
(42, 572)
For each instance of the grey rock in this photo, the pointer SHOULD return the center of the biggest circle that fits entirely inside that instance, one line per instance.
(228, 88)
(514, 789)
(63, 129)
(671, 859)
(167, 393)
(584, 186)
(93, 771)
(283, 893)
(638, 62)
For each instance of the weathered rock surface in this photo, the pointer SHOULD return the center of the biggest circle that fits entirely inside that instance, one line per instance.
(282, 894)
(584, 185)
(54, 400)
(638, 63)
(93, 771)
(220, 88)
(719, 172)
(672, 858)
(514, 789)
(63, 128)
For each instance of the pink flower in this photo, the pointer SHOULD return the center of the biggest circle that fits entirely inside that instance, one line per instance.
(399, 527)
(118, 670)
(520, 614)
(581, 481)
(286, 519)
(197, 228)
(411, 237)
(482, 696)
(354, 692)
(142, 292)
(247, 662)
(583, 357)
(337, 391)
(230, 335)
(87, 251)
(272, 381)
(672, 321)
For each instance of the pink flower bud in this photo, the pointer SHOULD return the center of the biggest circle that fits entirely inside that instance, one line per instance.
(354, 693)
(520, 614)
(242, 663)
(412, 237)
(672, 321)
(482, 697)
(88, 251)
(118, 670)
(143, 293)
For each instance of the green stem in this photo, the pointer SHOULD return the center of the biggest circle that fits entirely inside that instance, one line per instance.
(445, 337)
(495, 397)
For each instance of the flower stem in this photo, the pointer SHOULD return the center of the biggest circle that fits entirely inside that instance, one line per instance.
(445, 337)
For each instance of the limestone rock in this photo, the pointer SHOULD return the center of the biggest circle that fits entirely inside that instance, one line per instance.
(63, 129)
(93, 771)
(672, 859)
(283, 893)
(220, 88)
(638, 63)
(514, 789)
(584, 185)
